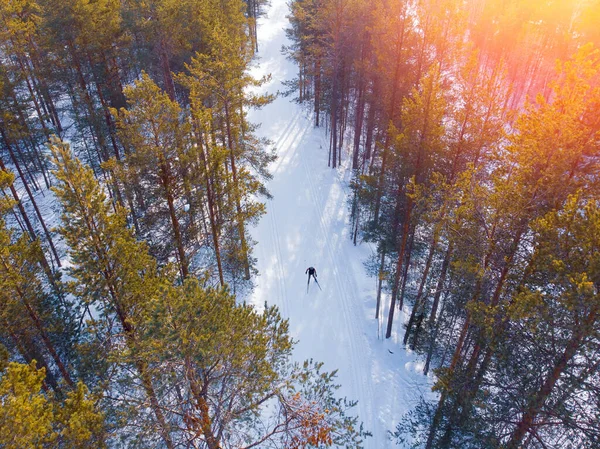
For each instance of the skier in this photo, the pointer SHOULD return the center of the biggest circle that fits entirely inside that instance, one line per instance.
(311, 272)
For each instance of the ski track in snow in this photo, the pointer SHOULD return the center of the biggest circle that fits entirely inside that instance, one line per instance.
(280, 273)
(307, 224)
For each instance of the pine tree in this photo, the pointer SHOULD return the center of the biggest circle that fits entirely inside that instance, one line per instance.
(236, 385)
(21, 27)
(112, 272)
(554, 324)
(33, 419)
(417, 147)
(37, 321)
(535, 176)
(234, 158)
(158, 139)
(221, 370)
(473, 130)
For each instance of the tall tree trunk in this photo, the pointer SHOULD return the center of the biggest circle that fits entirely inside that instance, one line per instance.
(406, 223)
(419, 301)
(211, 205)
(334, 120)
(369, 133)
(30, 352)
(110, 126)
(407, 260)
(440, 285)
(37, 322)
(165, 177)
(40, 165)
(124, 318)
(458, 350)
(380, 277)
(317, 77)
(33, 97)
(87, 100)
(472, 381)
(432, 339)
(399, 265)
(389, 121)
(538, 400)
(18, 160)
(358, 124)
(169, 85)
(436, 421)
(31, 232)
(35, 64)
(31, 197)
(236, 193)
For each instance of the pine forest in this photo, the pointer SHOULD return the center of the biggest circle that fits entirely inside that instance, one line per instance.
(170, 168)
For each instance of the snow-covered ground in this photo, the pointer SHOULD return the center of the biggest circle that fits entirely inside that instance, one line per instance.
(307, 225)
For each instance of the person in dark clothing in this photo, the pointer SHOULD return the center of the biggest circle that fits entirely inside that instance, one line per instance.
(311, 272)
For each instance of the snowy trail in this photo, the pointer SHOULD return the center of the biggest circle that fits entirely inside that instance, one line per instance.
(307, 224)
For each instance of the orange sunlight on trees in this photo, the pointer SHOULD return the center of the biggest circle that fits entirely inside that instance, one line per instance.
(473, 130)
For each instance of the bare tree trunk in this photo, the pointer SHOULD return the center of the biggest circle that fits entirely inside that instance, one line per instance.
(211, 205)
(369, 135)
(169, 85)
(33, 97)
(380, 276)
(107, 117)
(406, 268)
(31, 197)
(97, 131)
(432, 340)
(199, 395)
(419, 302)
(236, 193)
(166, 182)
(317, 91)
(30, 352)
(35, 65)
(390, 120)
(358, 125)
(440, 285)
(31, 231)
(334, 121)
(43, 334)
(399, 265)
(538, 400)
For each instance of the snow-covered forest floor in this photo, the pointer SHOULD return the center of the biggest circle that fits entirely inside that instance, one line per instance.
(306, 224)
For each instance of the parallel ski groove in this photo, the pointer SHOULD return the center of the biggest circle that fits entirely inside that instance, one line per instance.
(384, 384)
(280, 268)
(361, 379)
